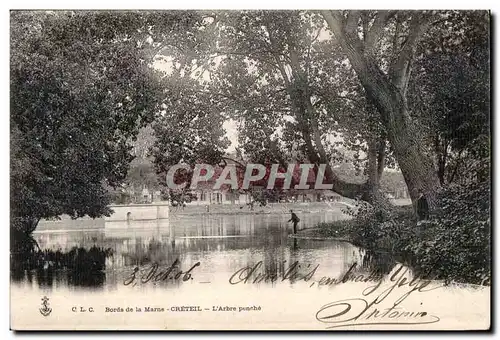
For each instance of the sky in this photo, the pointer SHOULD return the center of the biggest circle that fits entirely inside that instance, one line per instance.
(232, 134)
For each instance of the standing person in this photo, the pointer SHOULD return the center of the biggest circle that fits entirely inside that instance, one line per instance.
(295, 220)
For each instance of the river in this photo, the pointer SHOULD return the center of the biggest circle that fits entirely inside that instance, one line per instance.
(222, 244)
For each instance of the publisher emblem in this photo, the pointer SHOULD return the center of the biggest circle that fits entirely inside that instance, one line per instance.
(45, 310)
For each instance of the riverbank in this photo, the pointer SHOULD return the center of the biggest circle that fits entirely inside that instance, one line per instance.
(422, 246)
(270, 208)
(301, 209)
(225, 209)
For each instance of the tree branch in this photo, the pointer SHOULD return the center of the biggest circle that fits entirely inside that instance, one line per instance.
(351, 45)
(373, 35)
(400, 70)
(351, 26)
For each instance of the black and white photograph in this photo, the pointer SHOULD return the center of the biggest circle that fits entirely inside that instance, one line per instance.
(250, 170)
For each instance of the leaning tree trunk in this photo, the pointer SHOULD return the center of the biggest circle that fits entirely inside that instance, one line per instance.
(406, 140)
(387, 93)
(307, 124)
(316, 153)
(344, 188)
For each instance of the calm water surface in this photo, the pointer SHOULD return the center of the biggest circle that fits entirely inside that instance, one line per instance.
(222, 244)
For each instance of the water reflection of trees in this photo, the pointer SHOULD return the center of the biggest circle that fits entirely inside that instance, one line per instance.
(223, 244)
(77, 267)
(381, 262)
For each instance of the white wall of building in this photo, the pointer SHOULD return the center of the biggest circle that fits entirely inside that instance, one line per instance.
(138, 212)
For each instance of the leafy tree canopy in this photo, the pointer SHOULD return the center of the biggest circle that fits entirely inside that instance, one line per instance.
(81, 87)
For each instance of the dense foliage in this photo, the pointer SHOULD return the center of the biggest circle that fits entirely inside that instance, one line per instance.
(454, 244)
(79, 94)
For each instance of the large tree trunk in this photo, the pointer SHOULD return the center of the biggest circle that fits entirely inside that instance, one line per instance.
(316, 153)
(388, 95)
(299, 92)
(417, 166)
(374, 169)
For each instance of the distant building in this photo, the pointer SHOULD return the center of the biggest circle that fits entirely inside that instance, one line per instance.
(205, 194)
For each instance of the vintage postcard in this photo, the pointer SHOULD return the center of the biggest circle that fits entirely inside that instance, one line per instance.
(250, 170)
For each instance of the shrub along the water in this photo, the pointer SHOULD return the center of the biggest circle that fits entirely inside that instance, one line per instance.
(452, 245)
